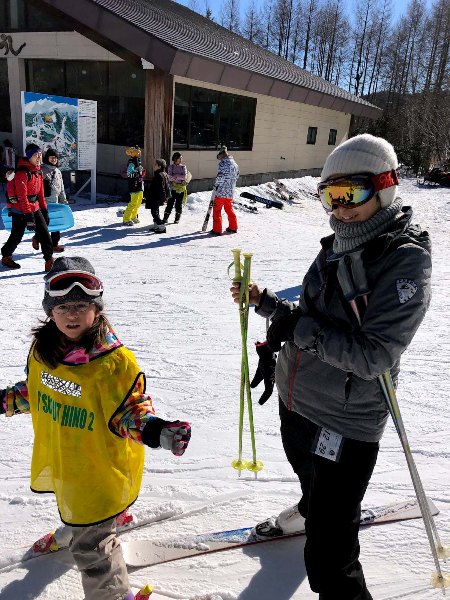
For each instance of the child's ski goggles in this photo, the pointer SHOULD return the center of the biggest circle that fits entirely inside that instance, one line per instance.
(354, 190)
(62, 283)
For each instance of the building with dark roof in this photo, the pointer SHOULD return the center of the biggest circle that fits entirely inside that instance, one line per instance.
(166, 78)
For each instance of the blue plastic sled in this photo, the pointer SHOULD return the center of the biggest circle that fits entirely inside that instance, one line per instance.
(61, 217)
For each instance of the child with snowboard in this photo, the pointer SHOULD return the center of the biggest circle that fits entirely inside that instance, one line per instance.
(91, 419)
(332, 410)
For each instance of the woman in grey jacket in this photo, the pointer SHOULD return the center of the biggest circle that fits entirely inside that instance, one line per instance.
(378, 263)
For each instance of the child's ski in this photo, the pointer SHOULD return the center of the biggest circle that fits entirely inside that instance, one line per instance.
(209, 211)
(144, 553)
(60, 538)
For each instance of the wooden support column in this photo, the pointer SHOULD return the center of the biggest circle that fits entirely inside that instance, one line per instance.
(159, 92)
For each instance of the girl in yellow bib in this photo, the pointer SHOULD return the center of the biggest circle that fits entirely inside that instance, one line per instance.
(91, 420)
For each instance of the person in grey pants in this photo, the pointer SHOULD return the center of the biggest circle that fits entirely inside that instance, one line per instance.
(332, 410)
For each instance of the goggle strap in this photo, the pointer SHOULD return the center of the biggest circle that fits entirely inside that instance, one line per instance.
(74, 274)
(384, 180)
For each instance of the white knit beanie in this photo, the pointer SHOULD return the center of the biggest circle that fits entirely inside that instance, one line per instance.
(366, 154)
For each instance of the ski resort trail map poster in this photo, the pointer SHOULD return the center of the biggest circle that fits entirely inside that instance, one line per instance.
(69, 125)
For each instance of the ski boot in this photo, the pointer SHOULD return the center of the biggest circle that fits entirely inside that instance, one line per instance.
(7, 261)
(288, 522)
(177, 218)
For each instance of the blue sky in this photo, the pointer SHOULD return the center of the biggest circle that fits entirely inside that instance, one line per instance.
(399, 7)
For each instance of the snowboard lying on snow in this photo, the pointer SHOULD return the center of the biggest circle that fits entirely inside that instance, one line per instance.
(144, 553)
(269, 202)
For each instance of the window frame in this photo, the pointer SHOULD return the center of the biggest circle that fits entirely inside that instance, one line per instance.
(311, 137)
(332, 135)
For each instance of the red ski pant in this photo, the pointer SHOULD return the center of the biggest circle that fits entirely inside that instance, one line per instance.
(226, 204)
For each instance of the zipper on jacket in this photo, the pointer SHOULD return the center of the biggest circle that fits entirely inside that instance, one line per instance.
(347, 388)
(292, 378)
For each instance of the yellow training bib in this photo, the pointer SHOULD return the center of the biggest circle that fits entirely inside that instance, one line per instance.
(94, 473)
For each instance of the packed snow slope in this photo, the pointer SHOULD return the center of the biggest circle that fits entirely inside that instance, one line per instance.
(167, 296)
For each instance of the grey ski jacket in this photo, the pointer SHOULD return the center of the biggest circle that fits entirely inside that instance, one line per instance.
(328, 373)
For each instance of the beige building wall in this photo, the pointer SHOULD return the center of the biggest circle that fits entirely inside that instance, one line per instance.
(279, 142)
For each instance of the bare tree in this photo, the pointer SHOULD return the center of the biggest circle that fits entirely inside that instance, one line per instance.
(229, 15)
(252, 27)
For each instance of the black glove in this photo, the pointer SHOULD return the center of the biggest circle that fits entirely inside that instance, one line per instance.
(44, 212)
(265, 371)
(29, 219)
(282, 329)
(10, 213)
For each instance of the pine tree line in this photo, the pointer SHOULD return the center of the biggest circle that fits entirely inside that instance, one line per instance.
(403, 67)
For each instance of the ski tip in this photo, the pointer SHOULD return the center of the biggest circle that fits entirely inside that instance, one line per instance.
(144, 593)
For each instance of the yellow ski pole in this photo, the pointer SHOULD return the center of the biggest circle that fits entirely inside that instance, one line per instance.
(256, 465)
(238, 463)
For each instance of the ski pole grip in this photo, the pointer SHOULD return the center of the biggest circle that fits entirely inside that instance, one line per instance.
(247, 267)
(237, 264)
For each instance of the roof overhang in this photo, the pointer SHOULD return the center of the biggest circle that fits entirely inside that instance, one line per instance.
(128, 41)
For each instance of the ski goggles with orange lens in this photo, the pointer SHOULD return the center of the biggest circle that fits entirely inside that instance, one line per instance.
(354, 190)
(62, 283)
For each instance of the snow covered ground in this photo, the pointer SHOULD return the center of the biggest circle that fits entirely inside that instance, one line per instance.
(167, 296)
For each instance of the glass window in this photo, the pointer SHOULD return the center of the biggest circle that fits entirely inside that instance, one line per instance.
(126, 121)
(204, 118)
(208, 119)
(182, 103)
(86, 77)
(236, 121)
(312, 134)
(46, 77)
(332, 137)
(5, 112)
(43, 19)
(126, 80)
(19, 15)
(4, 16)
(118, 89)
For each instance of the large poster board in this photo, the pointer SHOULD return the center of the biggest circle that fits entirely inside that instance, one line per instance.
(69, 125)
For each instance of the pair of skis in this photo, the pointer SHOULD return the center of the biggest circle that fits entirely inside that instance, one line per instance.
(144, 553)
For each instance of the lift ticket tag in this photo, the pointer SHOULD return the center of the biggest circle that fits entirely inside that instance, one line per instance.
(329, 444)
